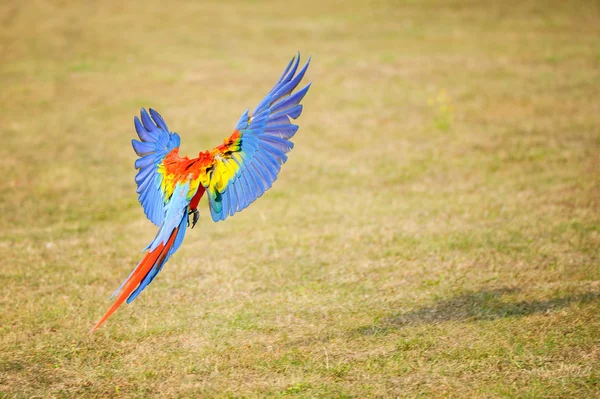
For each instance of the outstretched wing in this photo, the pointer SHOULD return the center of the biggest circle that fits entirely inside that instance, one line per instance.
(156, 142)
(248, 162)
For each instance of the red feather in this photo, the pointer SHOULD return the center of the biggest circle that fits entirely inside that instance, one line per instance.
(150, 260)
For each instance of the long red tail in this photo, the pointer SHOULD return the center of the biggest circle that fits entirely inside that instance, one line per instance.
(151, 259)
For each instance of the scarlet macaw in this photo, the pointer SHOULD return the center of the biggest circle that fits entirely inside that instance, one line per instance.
(233, 174)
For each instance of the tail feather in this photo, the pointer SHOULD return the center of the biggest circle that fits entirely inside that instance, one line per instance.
(179, 235)
(152, 259)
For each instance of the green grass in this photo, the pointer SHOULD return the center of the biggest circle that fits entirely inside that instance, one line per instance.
(435, 232)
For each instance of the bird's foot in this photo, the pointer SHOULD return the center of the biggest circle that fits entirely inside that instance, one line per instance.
(195, 217)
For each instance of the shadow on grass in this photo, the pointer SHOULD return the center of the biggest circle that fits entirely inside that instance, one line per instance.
(474, 306)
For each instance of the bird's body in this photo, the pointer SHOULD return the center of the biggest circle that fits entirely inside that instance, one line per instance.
(233, 174)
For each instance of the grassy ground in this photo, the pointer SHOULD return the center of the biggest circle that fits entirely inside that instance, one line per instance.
(435, 232)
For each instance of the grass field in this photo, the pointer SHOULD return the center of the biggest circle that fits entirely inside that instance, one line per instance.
(435, 232)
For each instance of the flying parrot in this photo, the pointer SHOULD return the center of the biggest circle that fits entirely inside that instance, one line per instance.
(233, 174)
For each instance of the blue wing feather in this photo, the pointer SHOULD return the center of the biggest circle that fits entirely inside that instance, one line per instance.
(250, 184)
(142, 148)
(281, 144)
(232, 199)
(270, 164)
(293, 112)
(144, 161)
(160, 122)
(288, 68)
(258, 178)
(291, 100)
(141, 131)
(144, 172)
(268, 172)
(147, 122)
(243, 122)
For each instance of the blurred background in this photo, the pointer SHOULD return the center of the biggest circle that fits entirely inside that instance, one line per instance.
(435, 231)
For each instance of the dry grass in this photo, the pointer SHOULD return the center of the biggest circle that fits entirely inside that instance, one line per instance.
(435, 232)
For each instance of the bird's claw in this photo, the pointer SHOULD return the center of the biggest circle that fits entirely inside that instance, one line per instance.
(195, 217)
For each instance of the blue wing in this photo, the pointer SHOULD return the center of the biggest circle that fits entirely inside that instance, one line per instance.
(156, 142)
(243, 175)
